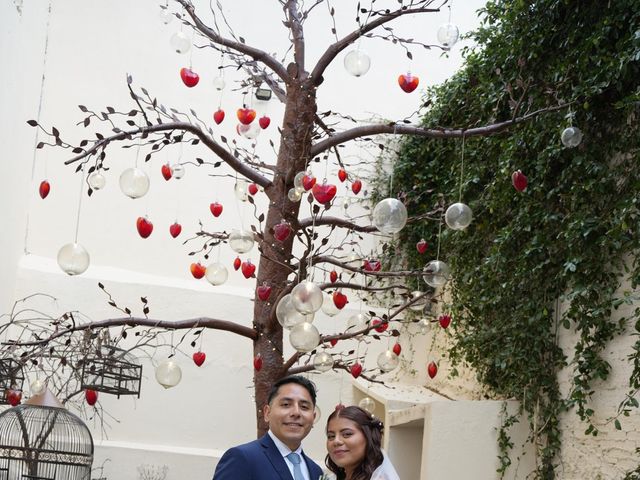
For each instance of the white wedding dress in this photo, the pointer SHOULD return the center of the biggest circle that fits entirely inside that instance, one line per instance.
(384, 472)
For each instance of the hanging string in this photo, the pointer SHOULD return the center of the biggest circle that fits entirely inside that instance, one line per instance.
(461, 167)
(450, 5)
(75, 240)
(439, 234)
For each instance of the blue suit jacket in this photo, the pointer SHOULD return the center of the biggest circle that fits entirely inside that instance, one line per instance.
(258, 460)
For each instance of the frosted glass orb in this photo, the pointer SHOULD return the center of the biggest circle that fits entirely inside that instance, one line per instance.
(571, 137)
(180, 42)
(425, 326)
(304, 337)
(165, 16)
(390, 216)
(306, 297)
(73, 259)
(458, 216)
(294, 195)
(216, 273)
(297, 180)
(288, 316)
(357, 63)
(219, 83)
(97, 181)
(323, 362)
(241, 241)
(38, 387)
(448, 35)
(388, 361)
(420, 304)
(328, 306)
(358, 321)
(240, 189)
(134, 183)
(168, 373)
(178, 171)
(250, 131)
(367, 404)
(436, 273)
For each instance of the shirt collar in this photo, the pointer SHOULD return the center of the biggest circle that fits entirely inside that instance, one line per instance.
(282, 448)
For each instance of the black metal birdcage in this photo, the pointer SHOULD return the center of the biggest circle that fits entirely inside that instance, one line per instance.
(44, 443)
(11, 378)
(111, 370)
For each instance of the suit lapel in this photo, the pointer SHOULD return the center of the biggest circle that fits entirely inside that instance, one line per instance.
(312, 466)
(272, 453)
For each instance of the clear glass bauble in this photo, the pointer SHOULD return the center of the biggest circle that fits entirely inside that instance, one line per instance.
(165, 16)
(357, 63)
(458, 216)
(168, 373)
(216, 273)
(97, 180)
(241, 241)
(436, 273)
(288, 316)
(294, 195)
(297, 180)
(178, 171)
(357, 322)
(134, 183)
(73, 259)
(390, 216)
(323, 361)
(328, 306)
(367, 404)
(37, 387)
(304, 337)
(219, 83)
(388, 361)
(424, 325)
(420, 304)
(250, 131)
(240, 190)
(180, 42)
(571, 137)
(306, 297)
(448, 35)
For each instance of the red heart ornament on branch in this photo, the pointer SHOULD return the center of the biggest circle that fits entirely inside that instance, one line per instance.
(91, 396)
(342, 175)
(408, 82)
(356, 187)
(333, 276)
(372, 266)
(519, 181)
(199, 358)
(257, 362)
(14, 397)
(252, 189)
(166, 171)
(308, 182)
(246, 115)
(432, 369)
(397, 349)
(216, 209)
(444, 320)
(339, 300)
(44, 189)
(189, 77)
(379, 325)
(264, 292)
(264, 122)
(198, 270)
(144, 226)
(248, 269)
(356, 370)
(175, 229)
(237, 263)
(422, 246)
(218, 116)
(324, 193)
(281, 231)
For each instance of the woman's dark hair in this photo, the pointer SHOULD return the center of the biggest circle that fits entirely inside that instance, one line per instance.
(371, 428)
(298, 380)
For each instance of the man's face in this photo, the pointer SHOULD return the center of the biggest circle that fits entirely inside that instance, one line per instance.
(290, 414)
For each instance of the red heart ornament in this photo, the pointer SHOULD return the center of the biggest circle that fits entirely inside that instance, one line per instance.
(519, 181)
(264, 122)
(189, 77)
(324, 193)
(252, 188)
(246, 115)
(308, 182)
(44, 189)
(356, 370)
(237, 263)
(444, 320)
(333, 276)
(199, 358)
(372, 266)
(408, 82)
(263, 291)
(379, 325)
(356, 187)
(281, 231)
(339, 300)
(175, 229)
(14, 397)
(91, 396)
(333, 342)
(432, 369)
(144, 226)
(198, 270)
(397, 349)
(421, 246)
(257, 362)
(342, 175)
(248, 269)
(218, 116)
(166, 171)
(216, 209)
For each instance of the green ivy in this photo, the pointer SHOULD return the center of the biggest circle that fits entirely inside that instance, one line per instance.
(572, 235)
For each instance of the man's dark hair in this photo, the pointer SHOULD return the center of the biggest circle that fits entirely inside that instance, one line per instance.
(298, 380)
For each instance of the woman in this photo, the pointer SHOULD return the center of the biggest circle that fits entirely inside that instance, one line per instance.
(354, 439)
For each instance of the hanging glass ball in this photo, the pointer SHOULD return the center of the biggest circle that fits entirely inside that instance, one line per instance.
(388, 361)
(448, 35)
(288, 316)
(294, 195)
(357, 63)
(328, 305)
(219, 83)
(180, 42)
(297, 180)
(168, 373)
(346, 203)
(571, 137)
(390, 216)
(37, 387)
(165, 16)
(306, 297)
(216, 273)
(358, 321)
(97, 180)
(420, 304)
(458, 216)
(73, 259)
(367, 404)
(250, 131)
(436, 273)
(178, 171)
(134, 183)
(304, 337)
(240, 189)
(323, 362)
(241, 241)
(425, 326)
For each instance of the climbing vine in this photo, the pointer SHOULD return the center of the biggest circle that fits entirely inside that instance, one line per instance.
(571, 237)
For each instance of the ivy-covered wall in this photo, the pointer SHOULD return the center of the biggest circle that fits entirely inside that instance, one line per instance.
(570, 238)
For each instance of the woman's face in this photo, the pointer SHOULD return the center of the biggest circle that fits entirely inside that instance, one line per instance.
(346, 443)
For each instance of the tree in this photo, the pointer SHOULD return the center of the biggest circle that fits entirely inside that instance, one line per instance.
(305, 135)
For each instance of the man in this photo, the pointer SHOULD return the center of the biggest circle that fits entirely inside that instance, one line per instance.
(278, 455)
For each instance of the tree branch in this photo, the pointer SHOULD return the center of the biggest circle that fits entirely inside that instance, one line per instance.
(295, 25)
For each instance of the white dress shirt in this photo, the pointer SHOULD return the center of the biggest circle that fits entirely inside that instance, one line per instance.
(284, 451)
